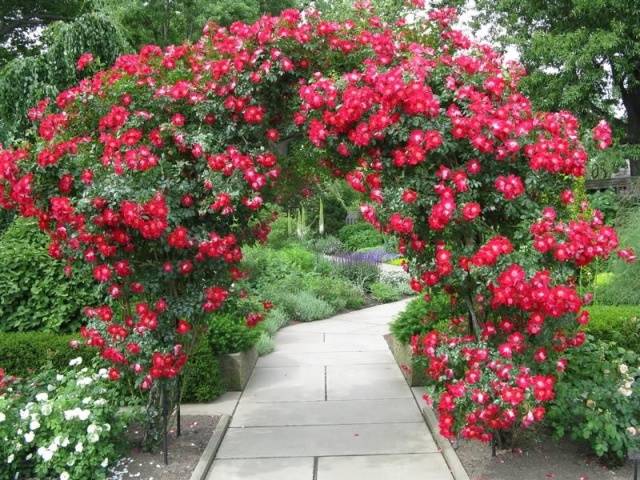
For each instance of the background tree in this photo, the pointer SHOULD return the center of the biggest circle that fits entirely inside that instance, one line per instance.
(165, 22)
(581, 55)
(20, 20)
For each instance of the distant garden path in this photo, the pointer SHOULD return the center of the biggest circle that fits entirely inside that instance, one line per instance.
(330, 404)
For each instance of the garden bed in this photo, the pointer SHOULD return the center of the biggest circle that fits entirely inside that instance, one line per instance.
(538, 457)
(184, 452)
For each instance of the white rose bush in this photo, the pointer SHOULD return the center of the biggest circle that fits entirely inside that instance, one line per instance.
(64, 426)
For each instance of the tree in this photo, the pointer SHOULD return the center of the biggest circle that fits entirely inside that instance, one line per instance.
(582, 55)
(20, 21)
(165, 22)
(27, 79)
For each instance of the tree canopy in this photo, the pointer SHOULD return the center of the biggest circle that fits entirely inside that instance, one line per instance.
(581, 55)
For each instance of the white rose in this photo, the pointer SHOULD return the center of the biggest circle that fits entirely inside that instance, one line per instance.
(2, 417)
(59, 377)
(64, 476)
(100, 402)
(625, 391)
(84, 381)
(46, 409)
(64, 442)
(28, 437)
(75, 361)
(86, 400)
(632, 431)
(42, 397)
(34, 425)
(24, 413)
(10, 458)
(45, 453)
(84, 414)
(104, 463)
(79, 447)
(70, 414)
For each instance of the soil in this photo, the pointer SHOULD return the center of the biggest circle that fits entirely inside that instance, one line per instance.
(184, 452)
(538, 457)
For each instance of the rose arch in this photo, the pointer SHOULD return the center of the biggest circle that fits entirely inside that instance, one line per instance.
(157, 171)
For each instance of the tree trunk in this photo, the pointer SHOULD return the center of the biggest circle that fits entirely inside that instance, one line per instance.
(631, 100)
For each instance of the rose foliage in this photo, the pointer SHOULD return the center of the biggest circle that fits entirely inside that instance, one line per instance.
(157, 171)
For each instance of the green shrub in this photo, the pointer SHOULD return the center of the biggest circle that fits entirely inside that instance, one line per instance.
(336, 291)
(328, 245)
(201, 378)
(616, 323)
(274, 320)
(385, 292)
(624, 286)
(230, 334)
(597, 401)
(298, 257)
(265, 344)
(362, 274)
(420, 317)
(34, 292)
(304, 306)
(22, 354)
(280, 234)
(360, 235)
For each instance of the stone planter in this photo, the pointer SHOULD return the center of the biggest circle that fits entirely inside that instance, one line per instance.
(236, 368)
(404, 358)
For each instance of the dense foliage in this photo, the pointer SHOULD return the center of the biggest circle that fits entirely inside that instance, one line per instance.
(155, 173)
(34, 292)
(26, 354)
(598, 402)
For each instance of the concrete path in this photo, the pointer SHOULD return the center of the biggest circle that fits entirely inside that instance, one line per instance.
(330, 403)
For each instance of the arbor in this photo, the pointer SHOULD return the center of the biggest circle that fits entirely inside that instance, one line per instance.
(156, 172)
(582, 56)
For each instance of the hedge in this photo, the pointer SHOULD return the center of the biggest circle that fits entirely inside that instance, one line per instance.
(616, 323)
(22, 354)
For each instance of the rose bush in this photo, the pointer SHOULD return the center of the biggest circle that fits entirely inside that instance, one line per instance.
(156, 172)
(63, 426)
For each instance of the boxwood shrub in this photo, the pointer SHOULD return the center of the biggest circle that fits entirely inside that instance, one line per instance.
(22, 354)
(34, 292)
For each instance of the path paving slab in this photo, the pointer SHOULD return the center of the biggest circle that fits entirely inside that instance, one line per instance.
(397, 410)
(430, 466)
(327, 440)
(355, 382)
(286, 359)
(333, 325)
(223, 405)
(262, 469)
(286, 384)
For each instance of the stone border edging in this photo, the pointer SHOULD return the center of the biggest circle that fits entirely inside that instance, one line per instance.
(448, 452)
(207, 457)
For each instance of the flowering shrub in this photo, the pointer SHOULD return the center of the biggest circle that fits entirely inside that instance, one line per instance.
(599, 401)
(61, 426)
(155, 172)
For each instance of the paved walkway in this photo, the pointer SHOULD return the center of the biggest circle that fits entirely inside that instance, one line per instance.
(329, 404)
